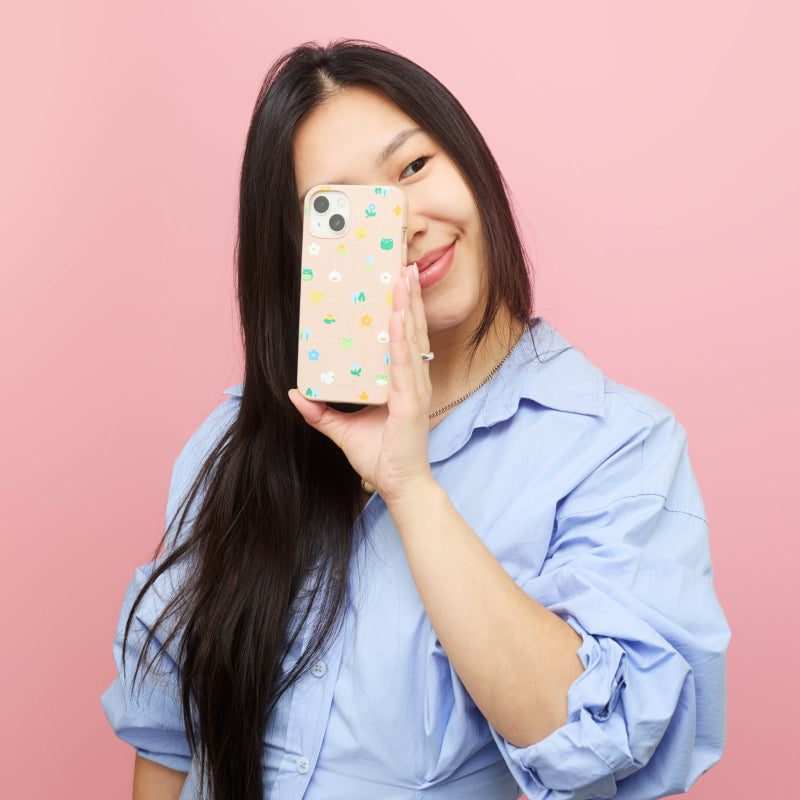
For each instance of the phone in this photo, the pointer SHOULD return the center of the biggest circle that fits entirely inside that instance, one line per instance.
(354, 249)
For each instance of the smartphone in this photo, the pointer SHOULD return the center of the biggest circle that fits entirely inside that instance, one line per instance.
(354, 249)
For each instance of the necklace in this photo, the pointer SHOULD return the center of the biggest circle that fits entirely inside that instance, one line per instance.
(483, 383)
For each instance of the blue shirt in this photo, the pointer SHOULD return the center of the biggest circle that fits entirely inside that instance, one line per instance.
(582, 489)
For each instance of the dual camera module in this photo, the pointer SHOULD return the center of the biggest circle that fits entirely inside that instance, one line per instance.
(330, 212)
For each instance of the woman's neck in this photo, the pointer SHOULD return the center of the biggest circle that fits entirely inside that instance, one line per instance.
(454, 373)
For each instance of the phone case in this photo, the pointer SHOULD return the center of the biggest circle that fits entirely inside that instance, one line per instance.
(346, 296)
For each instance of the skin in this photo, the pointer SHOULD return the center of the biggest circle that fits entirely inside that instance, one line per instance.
(515, 657)
(152, 781)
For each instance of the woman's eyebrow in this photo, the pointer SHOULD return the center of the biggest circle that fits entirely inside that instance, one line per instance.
(397, 142)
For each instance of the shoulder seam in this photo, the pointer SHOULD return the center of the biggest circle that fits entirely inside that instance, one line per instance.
(616, 500)
(628, 402)
(686, 514)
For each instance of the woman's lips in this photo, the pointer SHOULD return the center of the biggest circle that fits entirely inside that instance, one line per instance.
(434, 265)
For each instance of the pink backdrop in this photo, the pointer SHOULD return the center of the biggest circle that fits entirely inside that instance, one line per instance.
(653, 153)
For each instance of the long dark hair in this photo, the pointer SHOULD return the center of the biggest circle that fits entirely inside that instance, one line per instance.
(277, 504)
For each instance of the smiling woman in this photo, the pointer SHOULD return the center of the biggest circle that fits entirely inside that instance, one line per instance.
(497, 581)
(357, 136)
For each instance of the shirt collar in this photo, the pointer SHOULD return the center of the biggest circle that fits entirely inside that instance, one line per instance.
(544, 368)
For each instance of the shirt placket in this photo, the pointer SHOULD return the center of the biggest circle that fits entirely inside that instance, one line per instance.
(311, 698)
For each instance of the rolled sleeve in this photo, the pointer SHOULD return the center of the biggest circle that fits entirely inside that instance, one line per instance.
(647, 716)
(147, 713)
(593, 742)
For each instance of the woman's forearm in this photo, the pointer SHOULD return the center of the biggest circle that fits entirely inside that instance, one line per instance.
(515, 657)
(152, 781)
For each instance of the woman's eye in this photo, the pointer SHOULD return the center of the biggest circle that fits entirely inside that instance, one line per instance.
(414, 167)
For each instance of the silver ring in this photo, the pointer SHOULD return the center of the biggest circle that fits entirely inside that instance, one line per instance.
(427, 356)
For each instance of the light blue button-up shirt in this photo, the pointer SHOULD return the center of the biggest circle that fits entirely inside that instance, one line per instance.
(583, 491)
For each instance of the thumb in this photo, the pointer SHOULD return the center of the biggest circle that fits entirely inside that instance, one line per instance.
(316, 414)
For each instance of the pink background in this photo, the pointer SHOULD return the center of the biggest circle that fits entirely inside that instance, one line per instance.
(653, 153)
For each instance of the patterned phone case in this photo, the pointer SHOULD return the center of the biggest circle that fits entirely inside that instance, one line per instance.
(346, 297)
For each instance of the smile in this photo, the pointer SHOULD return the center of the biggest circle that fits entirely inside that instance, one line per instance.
(435, 264)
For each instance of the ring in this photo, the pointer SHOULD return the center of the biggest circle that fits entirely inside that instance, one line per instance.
(427, 356)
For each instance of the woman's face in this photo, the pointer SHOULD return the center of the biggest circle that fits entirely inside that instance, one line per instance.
(360, 137)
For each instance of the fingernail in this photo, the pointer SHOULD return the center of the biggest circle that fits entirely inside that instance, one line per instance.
(408, 283)
(416, 272)
(403, 314)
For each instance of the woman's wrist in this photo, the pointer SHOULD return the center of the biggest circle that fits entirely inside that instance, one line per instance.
(419, 501)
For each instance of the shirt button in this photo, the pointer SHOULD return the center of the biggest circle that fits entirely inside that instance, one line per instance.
(303, 765)
(318, 669)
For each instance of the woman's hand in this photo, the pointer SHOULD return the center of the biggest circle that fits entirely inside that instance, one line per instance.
(388, 445)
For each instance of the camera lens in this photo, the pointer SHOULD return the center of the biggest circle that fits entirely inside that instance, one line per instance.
(336, 222)
(321, 204)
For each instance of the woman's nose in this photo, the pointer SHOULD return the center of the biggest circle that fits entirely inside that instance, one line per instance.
(417, 227)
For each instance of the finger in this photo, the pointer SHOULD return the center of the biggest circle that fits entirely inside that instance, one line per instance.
(401, 291)
(421, 322)
(403, 390)
(409, 393)
(421, 340)
(418, 308)
(413, 330)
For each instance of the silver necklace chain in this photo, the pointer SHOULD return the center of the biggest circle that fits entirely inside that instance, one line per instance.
(483, 383)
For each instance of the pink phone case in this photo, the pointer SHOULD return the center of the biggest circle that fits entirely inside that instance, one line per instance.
(346, 297)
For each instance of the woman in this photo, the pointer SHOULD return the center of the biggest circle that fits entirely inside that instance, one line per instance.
(499, 580)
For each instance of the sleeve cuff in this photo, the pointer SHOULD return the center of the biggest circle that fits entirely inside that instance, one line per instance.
(176, 762)
(151, 737)
(590, 752)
